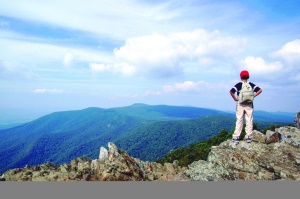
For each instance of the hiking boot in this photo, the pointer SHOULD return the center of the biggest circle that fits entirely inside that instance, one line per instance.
(248, 139)
(236, 140)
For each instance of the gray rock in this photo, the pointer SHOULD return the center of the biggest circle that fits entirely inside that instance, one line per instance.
(175, 162)
(258, 136)
(204, 171)
(170, 168)
(2, 178)
(269, 133)
(103, 153)
(113, 151)
(63, 169)
(113, 148)
(290, 135)
(297, 120)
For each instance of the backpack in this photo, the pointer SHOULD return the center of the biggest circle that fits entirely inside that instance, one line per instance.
(246, 93)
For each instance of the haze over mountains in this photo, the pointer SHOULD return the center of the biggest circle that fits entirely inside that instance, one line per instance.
(147, 132)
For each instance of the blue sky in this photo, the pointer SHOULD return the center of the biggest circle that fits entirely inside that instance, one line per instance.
(66, 55)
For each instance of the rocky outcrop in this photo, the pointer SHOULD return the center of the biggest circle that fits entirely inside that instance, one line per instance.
(276, 159)
(113, 165)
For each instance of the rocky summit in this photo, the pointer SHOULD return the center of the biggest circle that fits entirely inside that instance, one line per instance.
(274, 156)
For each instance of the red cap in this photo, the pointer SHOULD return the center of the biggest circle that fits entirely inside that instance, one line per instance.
(244, 73)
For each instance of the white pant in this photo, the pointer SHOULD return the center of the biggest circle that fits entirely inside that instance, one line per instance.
(243, 110)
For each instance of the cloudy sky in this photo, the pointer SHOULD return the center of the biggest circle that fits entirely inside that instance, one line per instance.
(73, 54)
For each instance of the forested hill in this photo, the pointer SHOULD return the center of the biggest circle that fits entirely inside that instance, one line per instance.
(61, 136)
(155, 140)
(142, 130)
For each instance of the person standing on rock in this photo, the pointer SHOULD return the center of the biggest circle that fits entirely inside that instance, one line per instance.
(246, 92)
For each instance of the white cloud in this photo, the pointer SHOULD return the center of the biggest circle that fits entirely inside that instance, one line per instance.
(257, 65)
(52, 91)
(188, 87)
(167, 55)
(12, 70)
(68, 59)
(290, 52)
(285, 64)
(126, 18)
(39, 90)
(34, 51)
(152, 93)
(296, 77)
(154, 55)
(200, 86)
(183, 87)
(98, 67)
(103, 17)
(125, 69)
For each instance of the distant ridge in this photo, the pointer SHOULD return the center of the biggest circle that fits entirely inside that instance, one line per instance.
(9, 125)
(166, 112)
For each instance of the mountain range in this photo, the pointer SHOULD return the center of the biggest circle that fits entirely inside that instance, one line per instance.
(147, 132)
